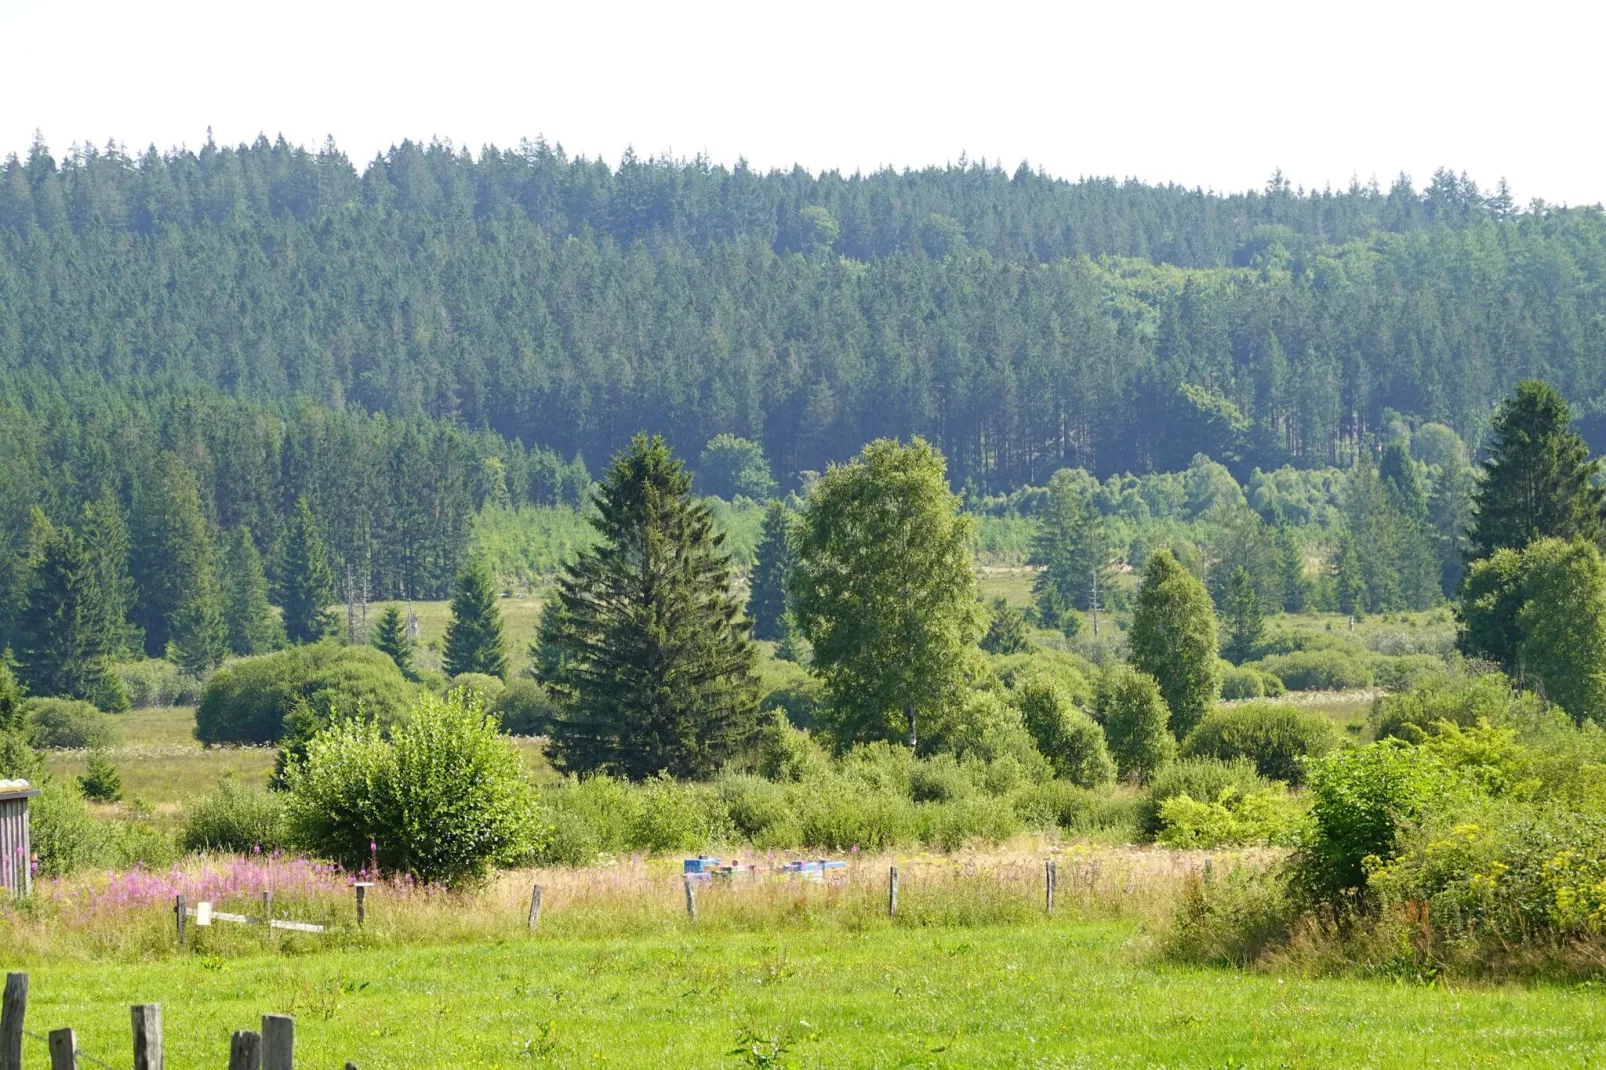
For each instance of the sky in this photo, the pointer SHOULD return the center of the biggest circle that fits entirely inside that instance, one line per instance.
(1205, 94)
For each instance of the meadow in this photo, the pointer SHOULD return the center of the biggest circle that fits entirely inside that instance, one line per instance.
(772, 973)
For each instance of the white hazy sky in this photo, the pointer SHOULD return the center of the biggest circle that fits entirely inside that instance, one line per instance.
(1211, 94)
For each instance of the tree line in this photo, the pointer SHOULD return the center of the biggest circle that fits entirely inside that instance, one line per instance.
(573, 305)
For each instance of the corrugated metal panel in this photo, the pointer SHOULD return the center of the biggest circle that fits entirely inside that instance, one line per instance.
(16, 871)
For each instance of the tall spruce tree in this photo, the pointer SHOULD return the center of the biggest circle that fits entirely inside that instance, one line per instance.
(1450, 518)
(106, 541)
(474, 639)
(1539, 480)
(199, 638)
(173, 558)
(64, 646)
(1073, 551)
(391, 638)
(649, 654)
(251, 624)
(1243, 617)
(307, 585)
(766, 602)
(1173, 639)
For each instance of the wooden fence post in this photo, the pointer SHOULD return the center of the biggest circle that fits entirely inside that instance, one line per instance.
(63, 1049)
(267, 909)
(13, 1009)
(892, 893)
(362, 902)
(183, 916)
(278, 1042)
(245, 1050)
(691, 898)
(1050, 879)
(147, 1036)
(535, 907)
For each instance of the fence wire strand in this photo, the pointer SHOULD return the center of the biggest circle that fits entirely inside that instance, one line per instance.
(80, 1052)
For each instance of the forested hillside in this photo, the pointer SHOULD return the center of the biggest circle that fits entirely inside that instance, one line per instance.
(1021, 323)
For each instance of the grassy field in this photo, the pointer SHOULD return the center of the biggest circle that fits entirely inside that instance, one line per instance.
(1046, 994)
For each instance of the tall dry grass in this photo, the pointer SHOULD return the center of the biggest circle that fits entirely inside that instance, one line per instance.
(130, 915)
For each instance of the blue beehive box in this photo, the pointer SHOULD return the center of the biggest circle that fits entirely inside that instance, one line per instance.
(701, 865)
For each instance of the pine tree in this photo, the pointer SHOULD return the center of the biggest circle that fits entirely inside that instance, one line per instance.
(308, 586)
(64, 649)
(1006, 631)
(1296, 588)
(200, 639)
(390, 636)
(766, 603)
(1173, 639)
(174, 564)
(1539, 480)
(1073, 551)
(474, 640)
(1449, 518)
(649, 655)
(248, 618)
(1243, 617)
(101, 781)
(106, 541)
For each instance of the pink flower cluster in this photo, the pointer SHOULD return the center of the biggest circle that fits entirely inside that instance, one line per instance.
(214, 881)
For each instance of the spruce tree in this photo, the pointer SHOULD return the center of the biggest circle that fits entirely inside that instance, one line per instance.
(1173, 639)
(1006, 630)
(391, 638)
(1539, 480)
(64, 649)
(106, 541)
(308, 586)
(248, 618)
(766, 602)
(474, 640)
(13, 707)
(1073, 551)
(173, 558)
(1243, 617)
(200, 639)
(649, 655)
(1450, 518)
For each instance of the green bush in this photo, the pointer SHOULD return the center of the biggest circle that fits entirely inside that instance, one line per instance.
(1066, 672)
(590, 818)
(1361, 799)
(67, 724)
(234, 818)
(1264, 816)
(1274, 736)
(1318, 670)
(1232, 920)
(157, 682)
(523, 709)
(1458, 698)
(939, 779)
(101, 781)
(1241, 682)
(1072, 742)
(1079, 811)
(1406, 671)
(486, 687)
(788, 753)
(66, 837)
(444, 797)
(1197, 778)
(249, 701)
(801, 701)
(1135, 723)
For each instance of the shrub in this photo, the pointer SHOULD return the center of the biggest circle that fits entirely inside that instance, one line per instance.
(787, 753)
(67, 724)
(1066, 736)
(66, 837)
(101, 781)
(157, 682)
(1402, 673)
(1360, 800)
(1135, 718)
(1275, 737)
(1230, 820)
(1197, 778)
(444, 798)
(523, 709)
(1067, 672)
(939, 779)
(1241, 682)
(1317, 670)
(486, 687)
(1231, 921)
(234, 818)
(590, 817)
(1078, 811)
(249, 701)
(672, 815)
(1460, 699)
